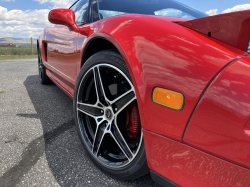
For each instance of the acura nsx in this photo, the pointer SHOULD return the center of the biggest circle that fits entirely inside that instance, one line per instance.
(157, 87)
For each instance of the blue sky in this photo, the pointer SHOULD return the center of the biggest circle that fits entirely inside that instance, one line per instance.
(197, 4)
(26, 18)
(206, 5)
(34, 4)
(24, 5)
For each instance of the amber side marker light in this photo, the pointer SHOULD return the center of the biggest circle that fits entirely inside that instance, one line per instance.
(168, 98)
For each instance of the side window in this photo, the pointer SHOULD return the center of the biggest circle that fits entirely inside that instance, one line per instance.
(109, 13)
(104, 9)
(173, 13)
(80, 9)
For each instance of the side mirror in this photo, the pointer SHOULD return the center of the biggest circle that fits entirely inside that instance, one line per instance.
(63, 17)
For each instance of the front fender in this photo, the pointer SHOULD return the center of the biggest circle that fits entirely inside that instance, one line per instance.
(164, 54)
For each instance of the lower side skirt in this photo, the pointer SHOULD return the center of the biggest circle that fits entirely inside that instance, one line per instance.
(161, 180)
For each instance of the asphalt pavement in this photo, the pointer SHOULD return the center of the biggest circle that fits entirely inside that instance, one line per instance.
(39, 145)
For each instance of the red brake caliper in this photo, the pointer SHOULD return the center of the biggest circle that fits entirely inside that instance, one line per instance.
(133, 123)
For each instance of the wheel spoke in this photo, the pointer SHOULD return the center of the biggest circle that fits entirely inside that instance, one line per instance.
(99, 134)
(121, 102)
(118, 137)
(101, 97)
(109, 91)
(90, 110)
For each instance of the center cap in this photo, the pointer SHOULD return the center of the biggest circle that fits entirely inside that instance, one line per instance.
(108, 114)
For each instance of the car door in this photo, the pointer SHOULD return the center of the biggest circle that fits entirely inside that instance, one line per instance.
(62, 53)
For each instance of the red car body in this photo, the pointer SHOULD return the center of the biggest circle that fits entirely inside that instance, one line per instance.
(207, 142)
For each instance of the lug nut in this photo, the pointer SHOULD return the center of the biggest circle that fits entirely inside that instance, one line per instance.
(116, 109)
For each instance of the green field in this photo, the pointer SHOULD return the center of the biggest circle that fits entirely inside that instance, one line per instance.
(16, 51)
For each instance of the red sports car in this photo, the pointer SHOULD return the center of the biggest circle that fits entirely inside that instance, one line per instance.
(157, 87)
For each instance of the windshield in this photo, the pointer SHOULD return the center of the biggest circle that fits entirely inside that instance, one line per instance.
(108, 8)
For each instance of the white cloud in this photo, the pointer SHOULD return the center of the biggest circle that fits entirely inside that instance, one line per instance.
(23, 24)
(212, 12)
(234, 9)
(237, 8)
(29, 23)
(57, 3)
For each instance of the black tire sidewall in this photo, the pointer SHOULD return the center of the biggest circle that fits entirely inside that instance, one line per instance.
(138, 167)
(44, 79)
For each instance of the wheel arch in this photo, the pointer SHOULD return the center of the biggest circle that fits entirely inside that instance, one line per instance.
(104, 42)
(95, 45)
(37, 45)
(100, 39)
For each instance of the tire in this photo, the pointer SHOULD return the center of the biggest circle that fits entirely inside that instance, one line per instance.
(44, 79)
(108, 124)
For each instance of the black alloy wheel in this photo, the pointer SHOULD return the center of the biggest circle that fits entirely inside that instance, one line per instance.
(107, 116)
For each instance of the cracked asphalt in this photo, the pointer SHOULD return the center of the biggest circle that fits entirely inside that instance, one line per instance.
(39, 145)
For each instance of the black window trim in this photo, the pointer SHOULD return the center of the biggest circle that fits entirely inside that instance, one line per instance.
(88, 11)
(91, 15)
(73, 4)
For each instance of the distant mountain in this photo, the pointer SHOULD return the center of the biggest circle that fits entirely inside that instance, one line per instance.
(16, 40)
(24, 42)
(7, 40)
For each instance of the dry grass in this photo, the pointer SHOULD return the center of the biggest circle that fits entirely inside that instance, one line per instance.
(17, 51)
(9, 57)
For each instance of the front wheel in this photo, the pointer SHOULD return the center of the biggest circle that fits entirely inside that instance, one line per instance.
(107, 116)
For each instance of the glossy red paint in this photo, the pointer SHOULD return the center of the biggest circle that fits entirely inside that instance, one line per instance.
(164, 56)
(63, 17)
(61, 56)
(221, 122)
(232, 28)
(171, 19)
(189, 167)
(85, 31)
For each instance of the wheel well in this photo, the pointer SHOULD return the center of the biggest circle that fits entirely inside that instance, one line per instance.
(96, 45)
